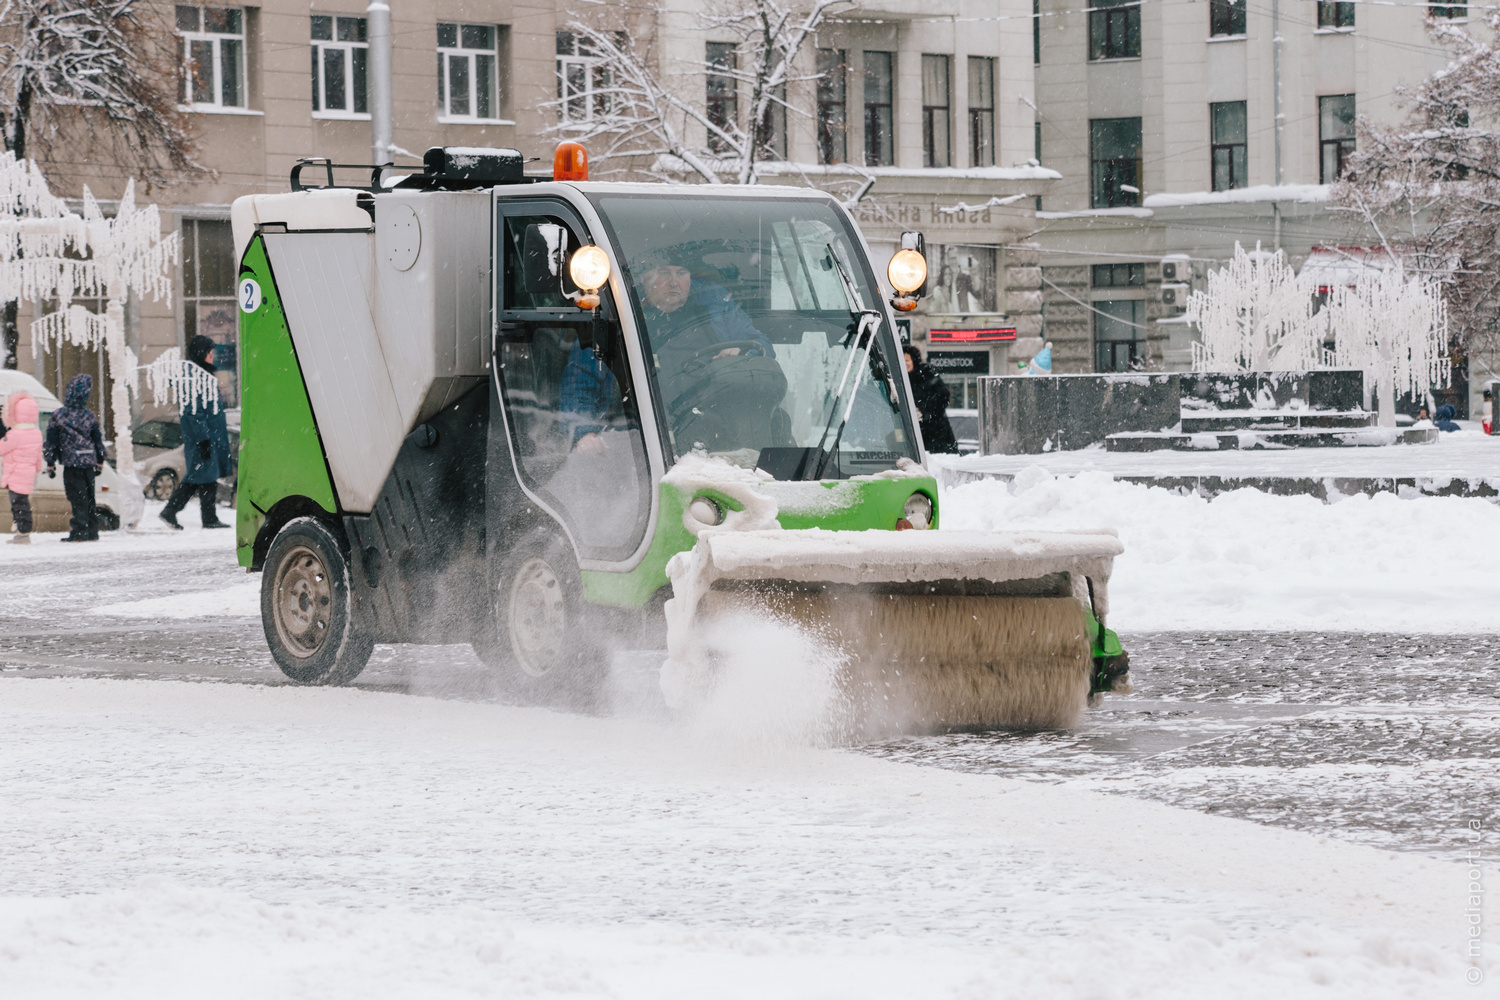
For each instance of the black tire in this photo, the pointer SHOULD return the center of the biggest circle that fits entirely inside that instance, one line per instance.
(162, 484)
(313, 623)
(108, 520)
(542, 644)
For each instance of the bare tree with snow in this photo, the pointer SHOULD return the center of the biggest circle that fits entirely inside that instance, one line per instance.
(1430, 185)
(643, 106)
(1256, 315)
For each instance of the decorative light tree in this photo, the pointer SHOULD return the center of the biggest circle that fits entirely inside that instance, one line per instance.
(1395, 329)
(42, 257)
(1255, 316)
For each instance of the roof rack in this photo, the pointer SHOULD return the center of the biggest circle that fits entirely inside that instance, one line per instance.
(444, 168)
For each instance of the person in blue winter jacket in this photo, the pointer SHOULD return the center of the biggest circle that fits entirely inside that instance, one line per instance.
(205, 448)
(73, 438)
(1443, 420)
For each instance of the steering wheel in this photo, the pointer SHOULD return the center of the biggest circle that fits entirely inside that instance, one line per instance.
(746, 347)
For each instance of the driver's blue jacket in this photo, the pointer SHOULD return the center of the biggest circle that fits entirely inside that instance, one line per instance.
(588, 384)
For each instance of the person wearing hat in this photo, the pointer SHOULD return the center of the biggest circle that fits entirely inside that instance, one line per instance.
(685, 319)
(205, 447)
(73, 438)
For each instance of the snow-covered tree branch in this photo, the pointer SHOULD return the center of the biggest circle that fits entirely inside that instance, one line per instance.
(1255, 316)
(1430, 186)
(637, 104)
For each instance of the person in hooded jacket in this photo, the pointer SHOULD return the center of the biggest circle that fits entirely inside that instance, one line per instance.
(20, 461)
(205, 448)
(931, 394)
(73, 438)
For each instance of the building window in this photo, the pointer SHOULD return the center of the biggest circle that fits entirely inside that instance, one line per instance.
(211, 57)
(1037, 139)
(583, 79)
(770, 134)
(1456, 12)
(339, 51)
(1119, 275)
(833, 106)
(880, 92)
(467, 72)
(1119, 341)
(1334, 14)
(208, 305)
(1226, 17)
(1036, 32)
(981, 111)
(1115, 157)
(1115, 29)
(723, 95)
(1335, 135)
(935, 146)
(1228, 143)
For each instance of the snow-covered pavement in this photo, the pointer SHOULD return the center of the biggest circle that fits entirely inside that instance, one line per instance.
(189, 840)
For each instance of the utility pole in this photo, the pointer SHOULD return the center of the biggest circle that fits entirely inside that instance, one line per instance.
(382, 139)
(1280, 117)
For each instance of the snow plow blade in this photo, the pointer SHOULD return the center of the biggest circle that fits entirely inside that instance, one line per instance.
(936, 629)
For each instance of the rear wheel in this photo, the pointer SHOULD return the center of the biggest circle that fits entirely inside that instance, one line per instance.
(162, 484)
(307, 606)
(541, 645)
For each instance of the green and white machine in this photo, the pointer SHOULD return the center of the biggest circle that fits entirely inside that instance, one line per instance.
(556, 419)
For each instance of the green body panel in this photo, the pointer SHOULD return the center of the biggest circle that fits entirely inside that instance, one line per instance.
(280, 453)
(837, 505)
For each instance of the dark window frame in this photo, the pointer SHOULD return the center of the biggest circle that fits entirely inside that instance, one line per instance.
(833, 105)
(1228, 155)
(1114, 30)
(1335, 15)
(937, 140)
(1448, 12)
(1226, 18)
(1334, 150)
(1108, 174)
(982, 112)
(722, 95)
(880, 123)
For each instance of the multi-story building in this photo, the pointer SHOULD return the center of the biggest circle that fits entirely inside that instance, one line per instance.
(929, 99)
(1161, 117)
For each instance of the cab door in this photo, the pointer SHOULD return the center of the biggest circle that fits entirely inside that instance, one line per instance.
(564, 384)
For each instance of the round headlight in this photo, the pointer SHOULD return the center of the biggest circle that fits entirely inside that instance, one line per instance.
(589, 268)
(706, 510)
(907, 270)
(919, 510)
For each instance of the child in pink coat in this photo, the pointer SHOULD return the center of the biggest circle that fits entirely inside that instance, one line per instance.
(20, 460)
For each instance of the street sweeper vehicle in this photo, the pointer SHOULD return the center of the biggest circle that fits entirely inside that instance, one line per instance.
(558, 418)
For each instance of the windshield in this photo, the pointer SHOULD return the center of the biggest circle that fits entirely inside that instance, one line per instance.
(756, 313)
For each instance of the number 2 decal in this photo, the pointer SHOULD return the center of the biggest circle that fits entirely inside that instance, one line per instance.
(249, 295)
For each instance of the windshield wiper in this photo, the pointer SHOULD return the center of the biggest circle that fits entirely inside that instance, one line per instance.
(864, 333)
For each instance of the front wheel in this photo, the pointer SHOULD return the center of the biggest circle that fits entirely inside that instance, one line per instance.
(541, 645)
(307, 606)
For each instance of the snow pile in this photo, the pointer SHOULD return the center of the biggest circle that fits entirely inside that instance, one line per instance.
(240, 600)
(1249, 560)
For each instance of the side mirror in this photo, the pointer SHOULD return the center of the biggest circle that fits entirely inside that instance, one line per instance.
(544, 250)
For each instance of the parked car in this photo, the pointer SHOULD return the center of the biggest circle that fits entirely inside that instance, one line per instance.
(118, 501)
(164, 463)
(965, 424)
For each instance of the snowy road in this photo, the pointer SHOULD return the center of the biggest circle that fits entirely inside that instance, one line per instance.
(252, 838)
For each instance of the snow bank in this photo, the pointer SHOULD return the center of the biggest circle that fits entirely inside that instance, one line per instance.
(1249, 560)
(188, 840)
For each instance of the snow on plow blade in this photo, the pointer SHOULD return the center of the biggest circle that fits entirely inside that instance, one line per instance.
(937, 629)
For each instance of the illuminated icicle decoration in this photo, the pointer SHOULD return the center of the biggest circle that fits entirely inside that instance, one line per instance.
(1395, 329)
(1256, 315)
(170, 377)
(74, 325)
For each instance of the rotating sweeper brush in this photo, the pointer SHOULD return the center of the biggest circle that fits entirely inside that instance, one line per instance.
(490, 408)
(935, 629)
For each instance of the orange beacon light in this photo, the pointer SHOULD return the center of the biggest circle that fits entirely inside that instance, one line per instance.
(570, 162)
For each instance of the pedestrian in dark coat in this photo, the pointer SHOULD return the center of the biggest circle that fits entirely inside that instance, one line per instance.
(73, 438)
(931, 394)
(205, 448)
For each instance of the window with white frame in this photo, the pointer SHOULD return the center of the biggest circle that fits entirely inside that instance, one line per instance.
(340, 49)
(583, 78)
(211, 57)
(468, 77)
